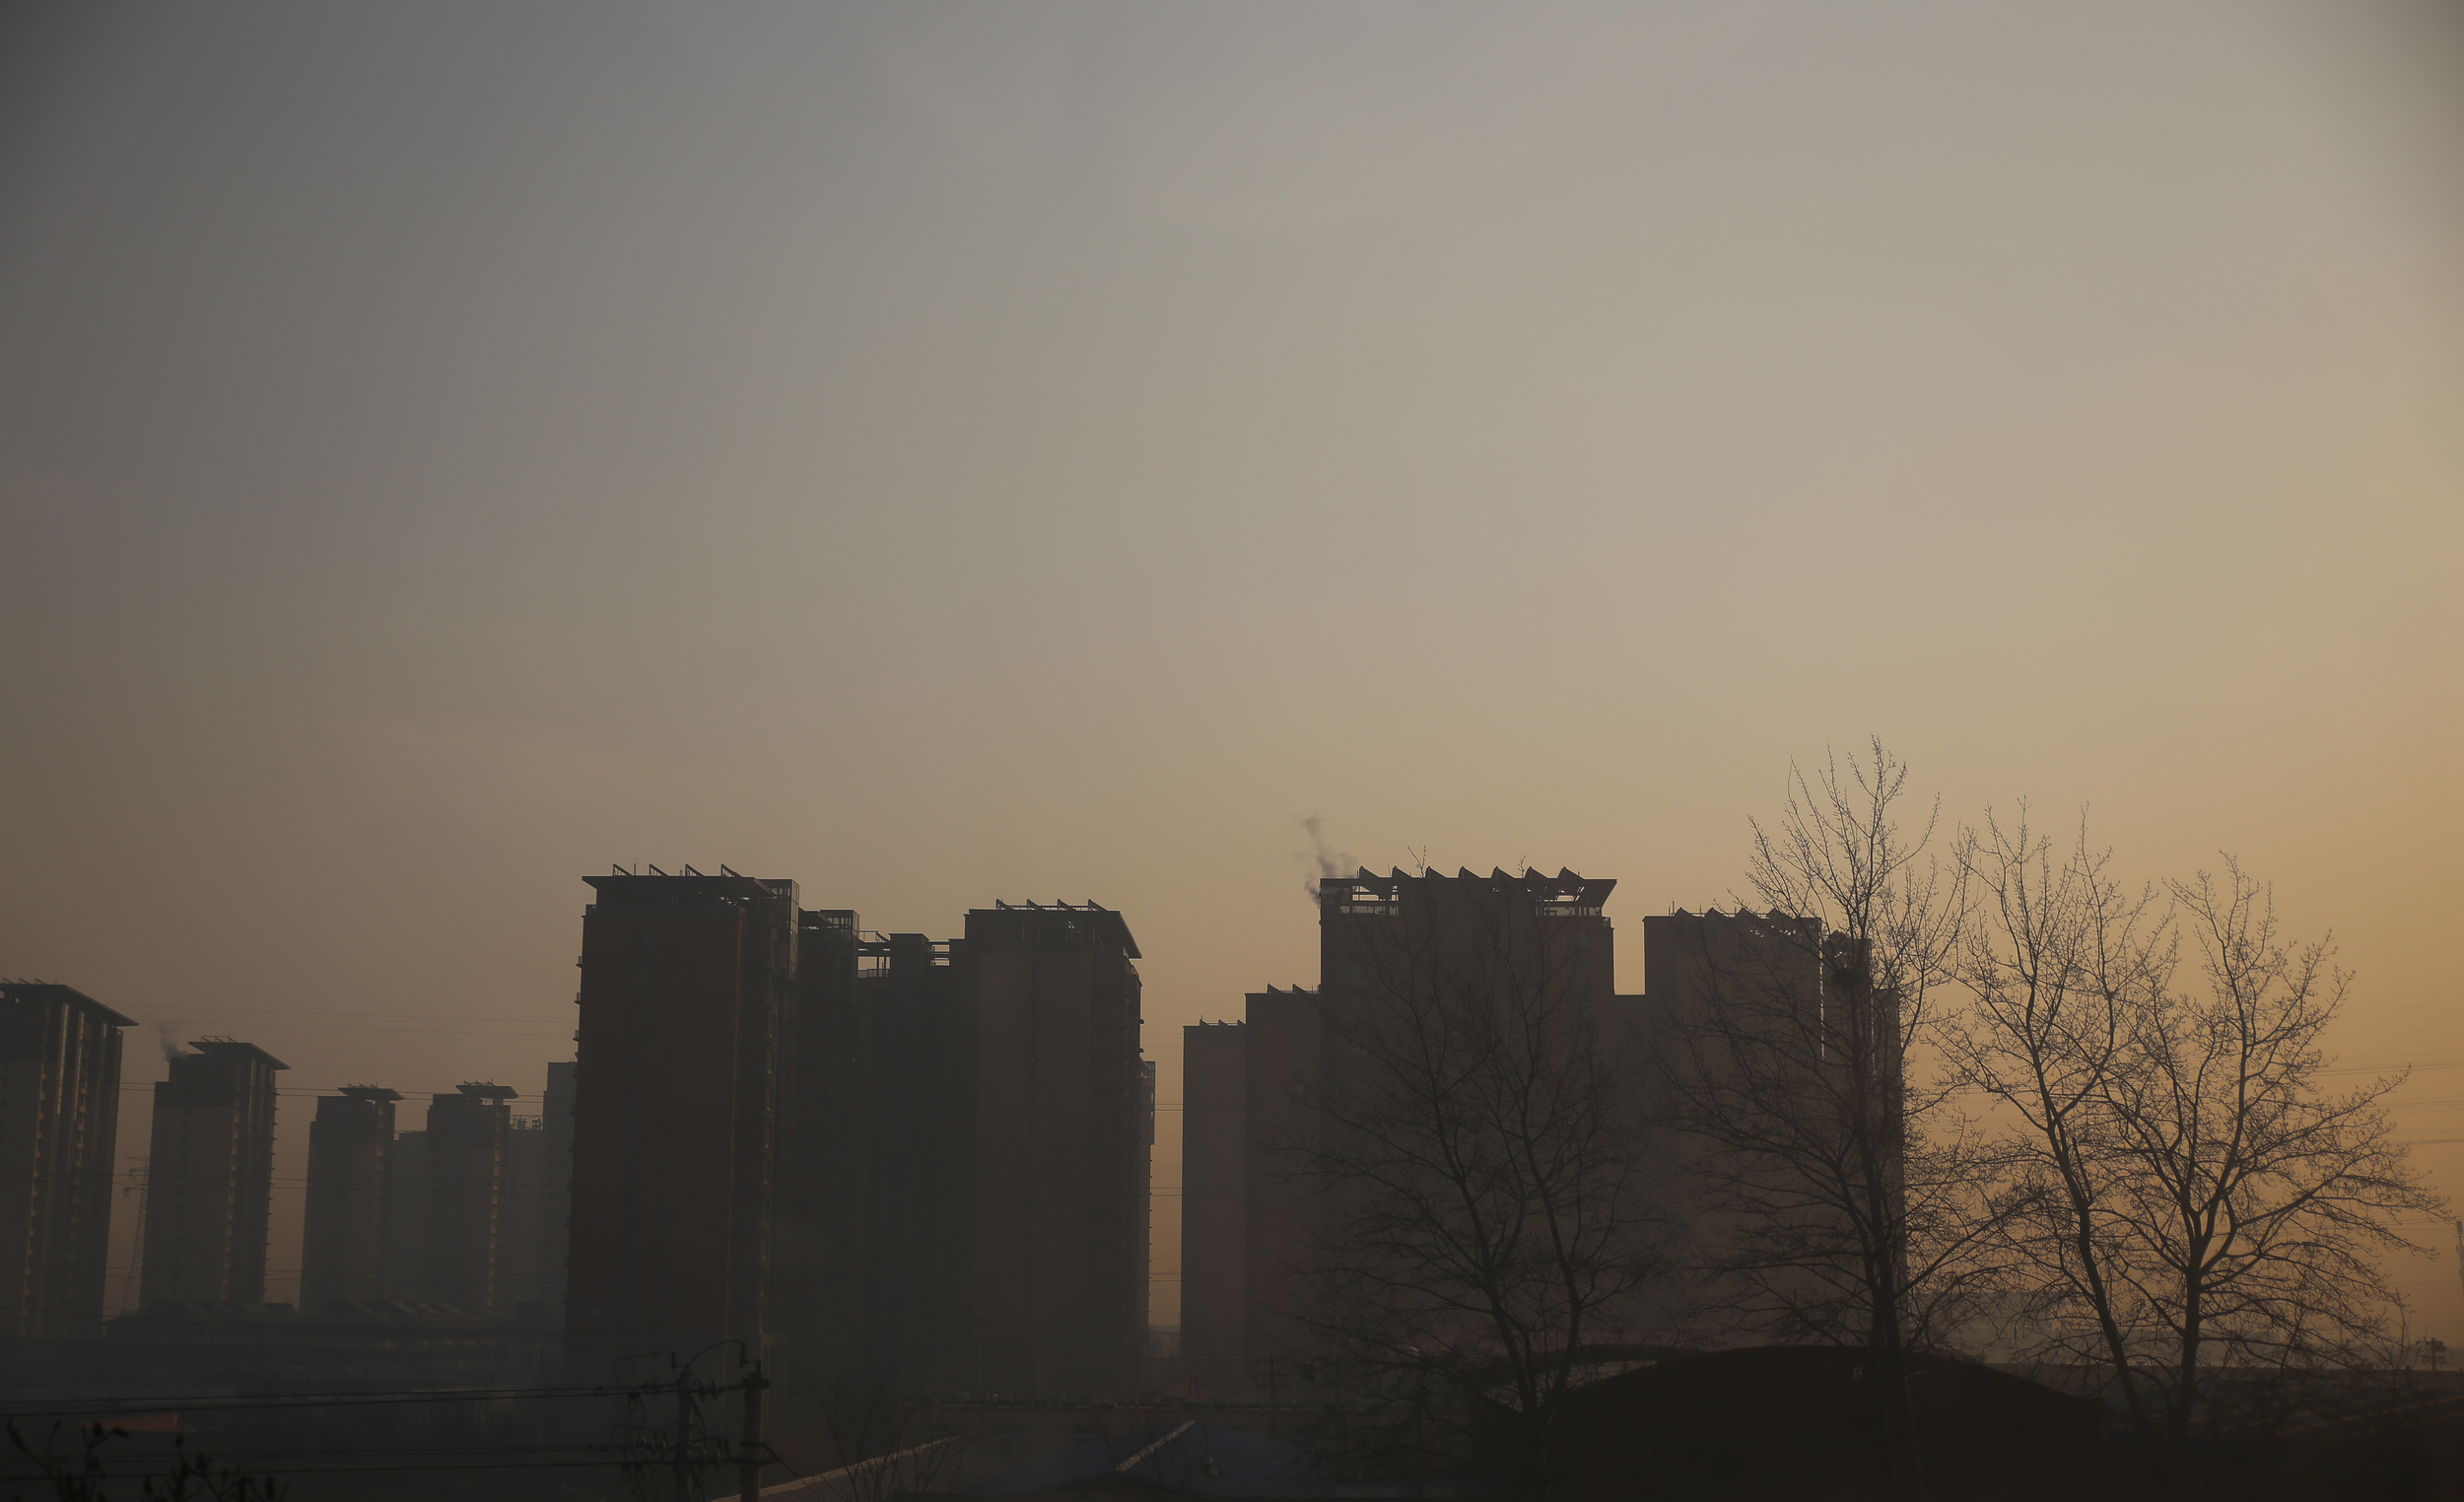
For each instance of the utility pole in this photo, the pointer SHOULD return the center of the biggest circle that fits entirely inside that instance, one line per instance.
(750, 1454)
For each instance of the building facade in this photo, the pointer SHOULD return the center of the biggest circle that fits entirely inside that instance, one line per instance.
(898, 1165)
(876, 1198)
(539, 1196)
(1064, 1113)
(59, 1122)
(468, 1137)
(687, 981)
(964, 1183)
(1388, 946)
(209, 1187)
(342, 1248)
(406, 1219)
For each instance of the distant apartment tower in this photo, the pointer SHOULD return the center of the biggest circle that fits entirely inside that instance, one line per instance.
(538, 1191)
(965, 1198)
(406, 1219)
(1214, 1138)
(342, 1250)
(1064, 1128)
(467, 1136)
(876, 1187)
(59, 1122)
(686, 981)
(1282, 1046)
(1382, 942)
(210, 1182)
(557, 1124)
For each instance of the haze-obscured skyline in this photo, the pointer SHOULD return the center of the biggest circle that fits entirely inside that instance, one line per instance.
(944, 453)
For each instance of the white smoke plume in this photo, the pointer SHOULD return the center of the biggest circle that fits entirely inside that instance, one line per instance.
(1321, 860)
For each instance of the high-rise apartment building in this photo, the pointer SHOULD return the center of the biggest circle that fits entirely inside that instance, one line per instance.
(876, 1183)
(1284, 1044)
(538, 1191)
(1398, 948)
(59, 1122)
(964, 1201)
(342, 1250)
(902, 1165)
(1063, 1125)
(467, 1138)
(686, 984)
(406, 1219)
(1386, 943)
(210, 1182)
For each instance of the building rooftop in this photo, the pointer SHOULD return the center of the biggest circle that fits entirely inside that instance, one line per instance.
(1036, 922)
(51, 992)
(1566, 892)
(233, 1050)
(687, 887)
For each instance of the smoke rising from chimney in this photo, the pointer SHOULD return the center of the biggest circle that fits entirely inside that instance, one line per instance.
(1321, 860)
(166, 1035)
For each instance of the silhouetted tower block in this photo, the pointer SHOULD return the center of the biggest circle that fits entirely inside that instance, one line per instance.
(350, 1151)
(59, 1124)
(209, 1191)
(1214, 1136)
(1388, 946)
(467, 1134)
(877, 1207)
(818, 1236)
(407, 1199)
(538, 1189)
(1693, 961)
(686, 983)
(556, 1121)
(1063, 1139)
(1763, 991)
(1282, 1044)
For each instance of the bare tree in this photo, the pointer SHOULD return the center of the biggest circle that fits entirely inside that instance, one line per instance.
(1844, 1200)
(2186, 1198)
(1474, 1144)
(2058, 961)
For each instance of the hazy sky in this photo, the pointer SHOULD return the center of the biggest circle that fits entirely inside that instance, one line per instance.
(944, 452)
